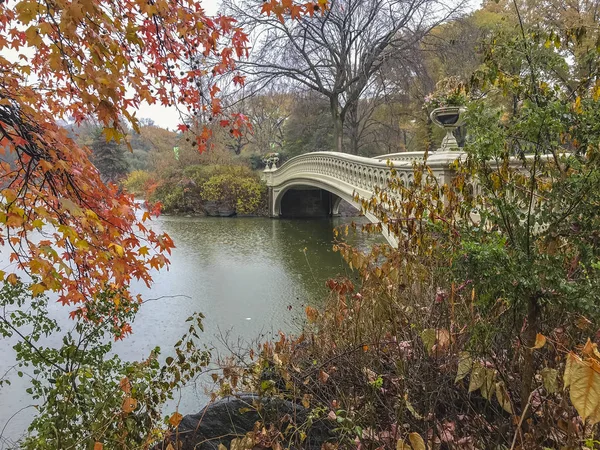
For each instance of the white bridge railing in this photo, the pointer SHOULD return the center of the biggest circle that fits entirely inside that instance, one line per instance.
(343, 170)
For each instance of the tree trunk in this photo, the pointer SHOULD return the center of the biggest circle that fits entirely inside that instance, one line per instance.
(528, 341)
(353, 123)
(338, 124)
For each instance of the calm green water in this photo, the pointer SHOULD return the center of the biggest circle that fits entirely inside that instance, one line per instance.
(250, 276)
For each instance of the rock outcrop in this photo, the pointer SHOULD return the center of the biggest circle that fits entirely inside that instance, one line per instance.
(232, 417)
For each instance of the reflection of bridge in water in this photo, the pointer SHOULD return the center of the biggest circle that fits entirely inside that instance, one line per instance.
(314, 184)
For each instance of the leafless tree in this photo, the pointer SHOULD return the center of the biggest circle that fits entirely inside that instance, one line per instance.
(337, 52)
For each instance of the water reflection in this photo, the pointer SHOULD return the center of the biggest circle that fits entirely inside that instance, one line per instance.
(249, 276)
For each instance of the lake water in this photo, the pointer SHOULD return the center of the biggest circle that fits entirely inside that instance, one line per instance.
(249, 276)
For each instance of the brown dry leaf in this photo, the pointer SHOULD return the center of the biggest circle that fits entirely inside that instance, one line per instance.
(540, 341)
(236, 444)
(443, 340)
(98, 446)
(170, 447)
(175, 419)
(582, 322)
(306, 401)
(585, 391)
(129, 404)
(371, 376)
(311, 314)
(323, 376)
(125, 385)
(417, 441)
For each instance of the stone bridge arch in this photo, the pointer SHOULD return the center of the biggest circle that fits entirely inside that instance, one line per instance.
(304, 184)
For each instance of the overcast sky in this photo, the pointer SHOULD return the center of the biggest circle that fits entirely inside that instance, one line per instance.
(168, 117)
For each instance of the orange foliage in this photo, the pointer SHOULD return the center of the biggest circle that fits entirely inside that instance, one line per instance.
(94, 59)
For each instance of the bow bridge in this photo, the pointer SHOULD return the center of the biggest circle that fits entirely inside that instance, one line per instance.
(314, 184)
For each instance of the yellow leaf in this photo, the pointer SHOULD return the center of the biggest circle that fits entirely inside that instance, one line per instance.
(33, 37)
(540, 341)
(129, 404)
(82, 245)
(143, 250)
(175, 419)
(37, 289)
(401, 445)
(221, 447)
(98, 446)
(570, 366)
(488, 387)
(416, 441)
(549, 377)
(119, 249)
(10, 195)
(236, 444)
(478, 375)
(12, 279)
(503, 398)
(588, 348)
(585, 391)
(465, 363)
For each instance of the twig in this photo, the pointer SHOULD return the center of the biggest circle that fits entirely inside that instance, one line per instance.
(518, 430)
(166, 296)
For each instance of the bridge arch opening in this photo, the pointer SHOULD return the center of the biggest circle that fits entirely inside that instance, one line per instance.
(303, 200)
